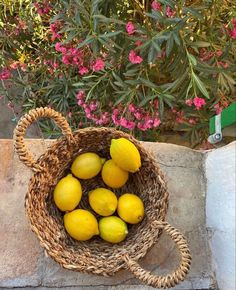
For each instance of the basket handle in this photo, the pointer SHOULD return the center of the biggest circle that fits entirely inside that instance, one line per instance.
(25, 121)
(175, 277)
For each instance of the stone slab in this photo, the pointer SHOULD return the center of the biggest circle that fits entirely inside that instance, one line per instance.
(23, 263)
(220, 212)
(8, 120)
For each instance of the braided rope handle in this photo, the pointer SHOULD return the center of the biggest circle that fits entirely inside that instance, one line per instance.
(172, 279)
(25, 121)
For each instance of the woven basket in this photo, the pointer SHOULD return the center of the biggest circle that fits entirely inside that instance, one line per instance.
(96, 256)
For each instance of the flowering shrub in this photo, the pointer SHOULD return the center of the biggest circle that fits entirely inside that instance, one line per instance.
(142, 66)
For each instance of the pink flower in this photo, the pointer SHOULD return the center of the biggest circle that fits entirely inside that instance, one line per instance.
(134, 58)
(199, 102)
(156, 122)
(43, 9)
(83, 70)
(156, 104)
(130, 28)
(98, 65)
(132, 108)
(80, 95)
(233, 33)
(219, 53)
(127, 124)
(114, 117)
(225, 104)
(87, 110)
(59, 47)
(180, 117)
(141, 126)
(218, 108)
(5, 74)
(169, 12)
(53, 27)
(69, 114)
(80, 102)
(192, 121)
(156, 5)
(55, 36)
(55, 64)
(66, 59)
(123, 122)
(104, 119)
(14, 65)
(189, 102)
(233, 22)
(138, 115)
(223, 64)
(138, 43)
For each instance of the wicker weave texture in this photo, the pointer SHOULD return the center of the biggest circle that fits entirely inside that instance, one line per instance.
(96, 256)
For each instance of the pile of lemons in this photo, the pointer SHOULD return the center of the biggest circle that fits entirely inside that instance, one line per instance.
(81, 224)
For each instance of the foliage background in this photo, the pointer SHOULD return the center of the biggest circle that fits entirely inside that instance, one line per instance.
(75, 57)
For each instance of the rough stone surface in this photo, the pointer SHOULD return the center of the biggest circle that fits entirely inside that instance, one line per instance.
(220, 212)
(8, 121)
(23, 262)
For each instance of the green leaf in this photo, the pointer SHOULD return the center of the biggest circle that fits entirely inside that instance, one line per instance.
(168, 3)
(176, 38)
(122, 98)
(200, 44)
(192, 59)
(71, 35)
(87, 41)
(131, 72)
(200, 85)
(190, 85)
(156, 46)
(148, 83)
(161, 108)
(169, 45)
(117, 77)
(110, 34)
(79, 84)
(151, 55)
(147, 99)
(57, 17)
(109, 20)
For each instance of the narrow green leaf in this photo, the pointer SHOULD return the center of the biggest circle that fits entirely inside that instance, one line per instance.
(168, 3)
(87, 41)
(190, 85)
(110, 34)
(192, 59)
(200, 44)
(148, 83)
(156, 46)
(176, 38)
(200, 85)
(151, 55)
(169, 45)
(147, 99)
(109, 20)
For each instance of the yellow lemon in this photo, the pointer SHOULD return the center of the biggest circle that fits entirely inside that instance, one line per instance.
(125, 154)
(67, 193)
(113, 175)
(87, 165)
(112, 229)
(81, 224)
(103, 201)
(130, 208)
